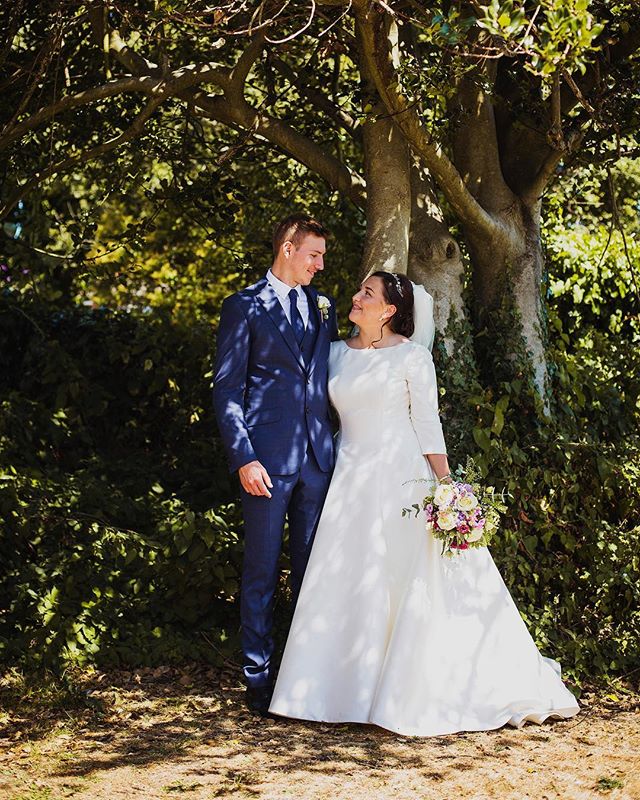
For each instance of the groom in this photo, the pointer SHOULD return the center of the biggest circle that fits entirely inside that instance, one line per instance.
(270, 397)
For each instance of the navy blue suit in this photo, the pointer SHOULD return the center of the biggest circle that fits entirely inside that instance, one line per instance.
(271, 403)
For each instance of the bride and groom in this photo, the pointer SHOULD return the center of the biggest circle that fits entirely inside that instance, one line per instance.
(386, 630)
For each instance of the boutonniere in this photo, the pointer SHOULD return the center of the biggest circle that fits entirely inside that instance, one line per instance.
(324, 304)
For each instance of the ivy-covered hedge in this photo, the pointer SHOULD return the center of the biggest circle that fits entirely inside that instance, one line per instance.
(118, 540)
(569, 549)
(121, 541)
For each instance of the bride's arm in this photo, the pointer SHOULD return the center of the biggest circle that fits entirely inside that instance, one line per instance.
(423, 391)
(440, 465)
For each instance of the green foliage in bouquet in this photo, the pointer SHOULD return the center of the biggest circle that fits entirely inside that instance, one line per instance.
(463, 513)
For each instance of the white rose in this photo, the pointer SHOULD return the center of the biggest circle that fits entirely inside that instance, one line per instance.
(444, 495)
(323, 302)
(447, 519)
(467, 502)
(474, 535)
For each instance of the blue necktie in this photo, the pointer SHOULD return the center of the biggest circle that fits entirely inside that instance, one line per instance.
(296, 319)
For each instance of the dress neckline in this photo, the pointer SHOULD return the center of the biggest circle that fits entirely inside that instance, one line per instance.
(374, 349)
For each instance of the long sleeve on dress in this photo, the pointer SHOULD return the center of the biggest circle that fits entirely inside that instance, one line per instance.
(423, 393)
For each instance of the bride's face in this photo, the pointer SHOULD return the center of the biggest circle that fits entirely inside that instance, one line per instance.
(369, 307)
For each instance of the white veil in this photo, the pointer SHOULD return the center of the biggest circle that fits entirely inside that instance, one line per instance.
(424, 323)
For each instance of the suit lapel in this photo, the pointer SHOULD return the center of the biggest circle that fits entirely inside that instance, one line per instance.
(269, 300)
(312, 297)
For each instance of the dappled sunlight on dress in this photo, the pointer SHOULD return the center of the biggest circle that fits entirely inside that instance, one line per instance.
(387, 630)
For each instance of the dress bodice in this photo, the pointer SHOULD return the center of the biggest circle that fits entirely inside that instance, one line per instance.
(385, 397)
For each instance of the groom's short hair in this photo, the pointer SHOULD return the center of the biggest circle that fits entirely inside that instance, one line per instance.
(294, 228)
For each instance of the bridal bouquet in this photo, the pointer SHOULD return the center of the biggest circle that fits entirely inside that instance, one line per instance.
(461, 514)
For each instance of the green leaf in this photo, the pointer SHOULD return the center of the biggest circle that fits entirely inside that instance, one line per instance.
(482, 439)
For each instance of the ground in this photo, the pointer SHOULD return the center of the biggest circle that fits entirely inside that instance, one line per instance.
(162, 733)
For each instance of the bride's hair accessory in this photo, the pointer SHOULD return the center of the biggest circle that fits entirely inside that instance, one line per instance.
(396, 280)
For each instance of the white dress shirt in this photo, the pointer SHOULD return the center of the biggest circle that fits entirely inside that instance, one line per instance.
(282, 291)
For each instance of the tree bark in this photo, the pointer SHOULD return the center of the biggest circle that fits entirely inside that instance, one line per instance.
(388, 208)
(435, 260)
(515, 272)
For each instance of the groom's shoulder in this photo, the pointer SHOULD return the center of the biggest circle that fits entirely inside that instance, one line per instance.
(248, 292)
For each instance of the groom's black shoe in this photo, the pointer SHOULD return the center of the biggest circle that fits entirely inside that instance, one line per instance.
(258, 700)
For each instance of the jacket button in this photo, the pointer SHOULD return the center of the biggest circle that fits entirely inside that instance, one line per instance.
(306, 408)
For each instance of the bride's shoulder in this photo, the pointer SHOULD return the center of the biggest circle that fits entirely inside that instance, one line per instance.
(410, 349)
(414, 356)
(337, 349)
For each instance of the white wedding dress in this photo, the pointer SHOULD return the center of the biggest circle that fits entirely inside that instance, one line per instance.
(387, 631)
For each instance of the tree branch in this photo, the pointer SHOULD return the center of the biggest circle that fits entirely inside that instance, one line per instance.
(234, 110)
(475, 137)
(299, 147)
(173, 83)
(375, 48)
(578, 91)
(128, 84)
(134, 130)
(301, 80)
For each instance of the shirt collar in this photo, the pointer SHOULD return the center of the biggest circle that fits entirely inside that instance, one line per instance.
(281, 288)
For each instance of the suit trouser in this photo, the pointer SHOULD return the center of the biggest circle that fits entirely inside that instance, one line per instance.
(299, 497)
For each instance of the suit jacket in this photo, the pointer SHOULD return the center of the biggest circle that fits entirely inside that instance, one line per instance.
(270, 396)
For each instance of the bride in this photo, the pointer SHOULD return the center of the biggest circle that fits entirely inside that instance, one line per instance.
(386, 630)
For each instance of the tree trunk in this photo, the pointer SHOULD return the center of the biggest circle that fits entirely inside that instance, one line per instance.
(405, 226)
(386, 243)
(435, 260)
(387, 176)
(514, 271)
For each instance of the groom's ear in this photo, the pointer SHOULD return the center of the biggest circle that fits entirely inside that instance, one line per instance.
(287, 247)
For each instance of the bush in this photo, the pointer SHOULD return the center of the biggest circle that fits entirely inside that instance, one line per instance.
(119, 543)
(568, 548)
(121, 537)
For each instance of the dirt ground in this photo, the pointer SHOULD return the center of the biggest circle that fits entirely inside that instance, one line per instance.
(162, 733)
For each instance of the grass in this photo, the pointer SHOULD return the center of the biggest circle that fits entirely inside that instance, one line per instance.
(605, 784)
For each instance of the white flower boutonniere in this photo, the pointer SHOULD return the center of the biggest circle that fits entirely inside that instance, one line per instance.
(324, 304)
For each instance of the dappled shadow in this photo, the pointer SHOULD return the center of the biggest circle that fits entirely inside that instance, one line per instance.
(189, 729)
(149, 716)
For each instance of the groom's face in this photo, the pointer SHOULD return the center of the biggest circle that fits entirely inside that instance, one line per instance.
(304, 261)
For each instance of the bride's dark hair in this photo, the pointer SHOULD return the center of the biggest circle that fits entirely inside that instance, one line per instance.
(398, 291)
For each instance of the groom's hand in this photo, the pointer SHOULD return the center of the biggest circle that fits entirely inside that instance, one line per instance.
(255, 479)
